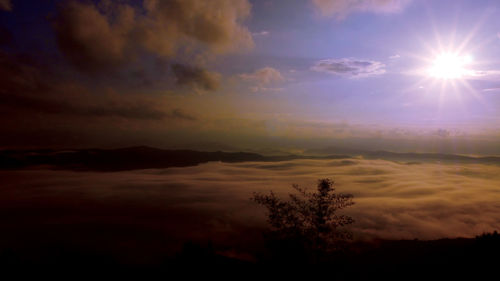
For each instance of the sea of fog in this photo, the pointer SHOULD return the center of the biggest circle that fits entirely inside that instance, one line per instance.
(155, 209)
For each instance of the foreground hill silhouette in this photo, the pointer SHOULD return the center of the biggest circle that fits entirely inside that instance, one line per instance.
(443, 259)
(117, 159)
(143, 157)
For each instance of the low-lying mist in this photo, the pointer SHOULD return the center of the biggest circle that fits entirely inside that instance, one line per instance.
(158, 209)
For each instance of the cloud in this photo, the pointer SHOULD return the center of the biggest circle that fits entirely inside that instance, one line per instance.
(261, 33)
(134, 110)
(96, 38)
(341, 8)
(263, 77)
(6, 37)
(200, 78)
(442, 133)
(181, 114)
(266, 89)
(350, 67)
(5, 5)
(128, 108)
(491, 90)
(485, 75)
(396, 56)
(90, 40)
(217, 24)
(22, 74)
(29, 87)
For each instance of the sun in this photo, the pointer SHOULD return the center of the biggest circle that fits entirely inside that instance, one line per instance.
(448, 68)
(449, 65)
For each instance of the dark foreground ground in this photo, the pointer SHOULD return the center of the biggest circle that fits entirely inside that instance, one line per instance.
(445, 259)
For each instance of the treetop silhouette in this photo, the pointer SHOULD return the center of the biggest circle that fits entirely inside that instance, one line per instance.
(309, 217)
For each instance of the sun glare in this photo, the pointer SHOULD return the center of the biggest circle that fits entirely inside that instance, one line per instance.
(450, 66)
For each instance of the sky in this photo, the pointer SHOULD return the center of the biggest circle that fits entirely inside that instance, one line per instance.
(400, 75)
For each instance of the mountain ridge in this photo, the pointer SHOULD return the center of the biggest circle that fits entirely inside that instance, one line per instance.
(145, 157)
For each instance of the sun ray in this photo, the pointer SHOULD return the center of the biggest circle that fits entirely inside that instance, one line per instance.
(447, 67)
(472, 33)
(473, 92)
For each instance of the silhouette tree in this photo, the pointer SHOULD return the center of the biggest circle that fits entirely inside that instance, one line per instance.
(308, 222)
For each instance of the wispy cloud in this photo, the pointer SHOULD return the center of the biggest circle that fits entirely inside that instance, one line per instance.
(341, 8)
(263, 78)
(261, 33)
(490, 90)
(350, 67)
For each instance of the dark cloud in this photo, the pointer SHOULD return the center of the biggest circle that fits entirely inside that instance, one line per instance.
(199, 78)
(29, 86)
(133, 111)
(6, 38)
(350, 67)
(97, 38)
(90, 39)
(5, 5)
(22, 74)
(37, 104)
(181, 114)
(124, 108)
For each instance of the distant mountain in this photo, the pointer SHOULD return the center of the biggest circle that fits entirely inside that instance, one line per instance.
(331, 150)
(431, 157)
(143, 157)
(401, 156)
(131, 158)
(206, 146)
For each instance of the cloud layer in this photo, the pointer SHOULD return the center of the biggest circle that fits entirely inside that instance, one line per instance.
(28, 86)
(350, 67)
(393, 200)
(99, 37)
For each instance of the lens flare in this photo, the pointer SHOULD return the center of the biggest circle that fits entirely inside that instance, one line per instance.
(450, 66)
